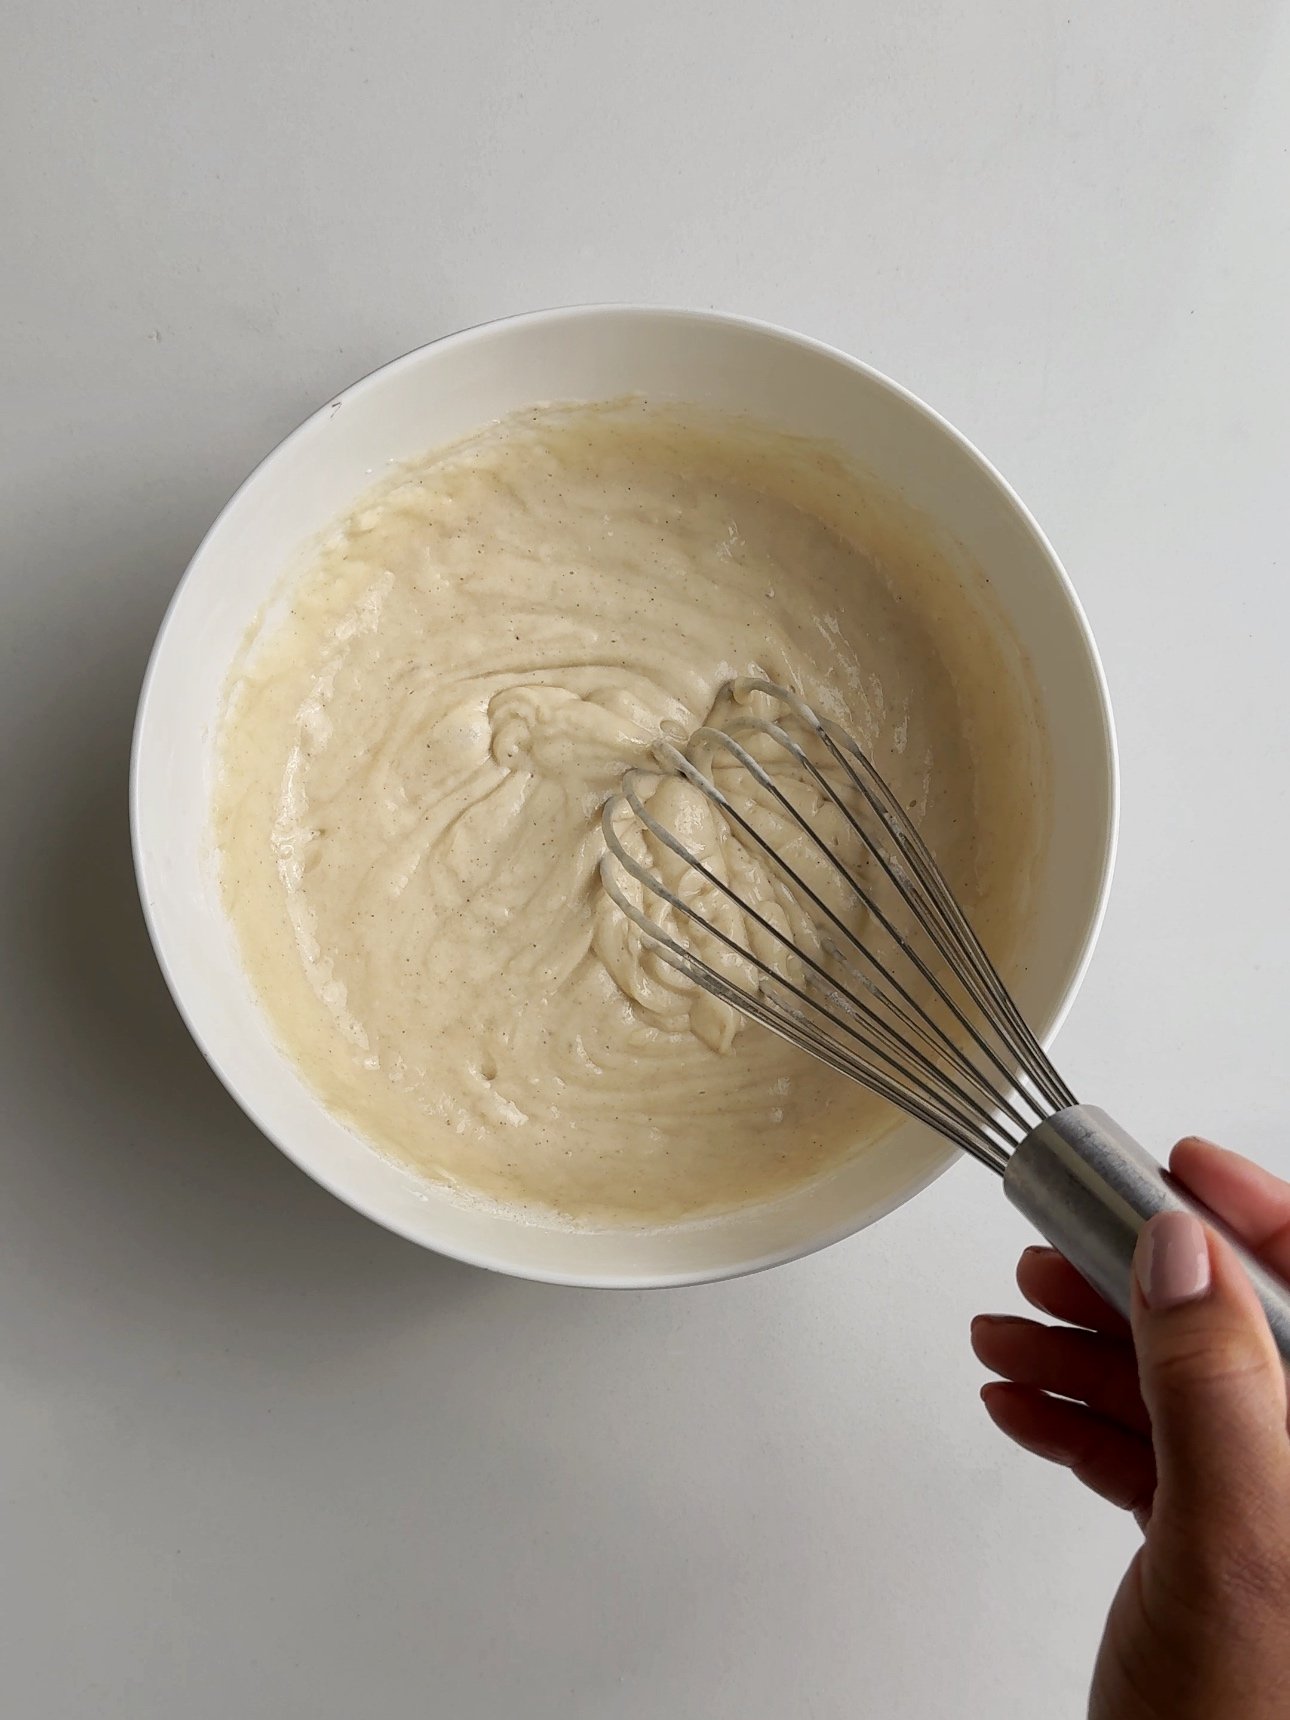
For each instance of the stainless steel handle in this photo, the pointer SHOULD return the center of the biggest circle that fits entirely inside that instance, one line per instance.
(1089, 1188)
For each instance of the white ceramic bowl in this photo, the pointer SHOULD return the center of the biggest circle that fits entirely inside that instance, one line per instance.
(439, 393)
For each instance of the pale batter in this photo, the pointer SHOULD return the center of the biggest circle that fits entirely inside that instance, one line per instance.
(421, 737)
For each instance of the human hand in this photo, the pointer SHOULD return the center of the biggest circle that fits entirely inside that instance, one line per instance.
(1180, 1417)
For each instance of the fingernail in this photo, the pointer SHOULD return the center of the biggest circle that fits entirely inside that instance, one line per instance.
(1172, 1260)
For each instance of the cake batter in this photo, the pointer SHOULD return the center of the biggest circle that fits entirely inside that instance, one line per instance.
(421, 735)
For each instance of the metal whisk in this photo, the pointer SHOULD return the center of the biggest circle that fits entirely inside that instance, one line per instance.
(771, 865)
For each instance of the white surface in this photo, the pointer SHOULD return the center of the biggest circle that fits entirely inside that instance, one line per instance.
(917, 468)
(261, 1459)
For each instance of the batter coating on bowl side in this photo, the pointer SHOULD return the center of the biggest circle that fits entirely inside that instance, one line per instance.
(421, 735)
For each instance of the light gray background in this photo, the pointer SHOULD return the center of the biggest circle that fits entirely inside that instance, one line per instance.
(260, 1460)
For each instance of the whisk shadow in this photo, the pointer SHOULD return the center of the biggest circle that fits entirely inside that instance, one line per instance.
(142, 1178)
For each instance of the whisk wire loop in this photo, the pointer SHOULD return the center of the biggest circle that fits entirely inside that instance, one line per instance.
(896, 993)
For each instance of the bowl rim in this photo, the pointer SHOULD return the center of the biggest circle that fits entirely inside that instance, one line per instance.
(1095, 914)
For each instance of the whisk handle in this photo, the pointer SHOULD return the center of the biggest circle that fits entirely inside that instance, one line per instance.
(1089, 1188)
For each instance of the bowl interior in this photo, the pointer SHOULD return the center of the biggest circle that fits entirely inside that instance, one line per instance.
(443, 392)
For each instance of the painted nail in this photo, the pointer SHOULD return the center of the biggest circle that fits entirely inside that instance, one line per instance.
(1172, 1260)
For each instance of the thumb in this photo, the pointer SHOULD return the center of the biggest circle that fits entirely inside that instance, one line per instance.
(1211, 1378)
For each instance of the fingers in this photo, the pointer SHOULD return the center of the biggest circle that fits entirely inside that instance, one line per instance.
(1103, 1438)
(1049, 1282)
(1211, 1379)
(1212, 1392)
(1107, 1458)
(1254, 1202)
(1096, 1370)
